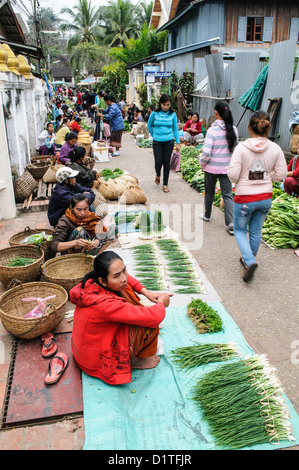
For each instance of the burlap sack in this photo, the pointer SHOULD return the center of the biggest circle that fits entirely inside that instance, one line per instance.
(24, 185)
(50, 175)
(296, 129)
(100, 204)
(133, 194)
(294, 143)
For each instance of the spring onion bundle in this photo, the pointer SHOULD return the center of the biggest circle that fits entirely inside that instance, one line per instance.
(204, 317)
(189, 290)
(281, 227)
(243, 404)
(158, 223)
(198, 354)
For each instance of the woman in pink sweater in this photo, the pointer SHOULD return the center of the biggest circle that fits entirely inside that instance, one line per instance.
(255, 164)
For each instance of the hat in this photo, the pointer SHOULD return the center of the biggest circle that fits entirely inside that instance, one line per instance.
(64, 173)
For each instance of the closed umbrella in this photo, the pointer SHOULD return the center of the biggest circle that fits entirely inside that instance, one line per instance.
(253, 97)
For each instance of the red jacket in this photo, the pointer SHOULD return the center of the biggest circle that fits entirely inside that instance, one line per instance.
(100, 337)
(196, 125)
(296, 170)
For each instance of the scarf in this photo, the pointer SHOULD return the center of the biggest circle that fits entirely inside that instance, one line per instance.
(89, 222)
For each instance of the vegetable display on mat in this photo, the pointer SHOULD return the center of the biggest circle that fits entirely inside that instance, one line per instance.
(20, 261)
(281, 227)
(107, 173)
(242, 403)
(204, 317)
(196, 355)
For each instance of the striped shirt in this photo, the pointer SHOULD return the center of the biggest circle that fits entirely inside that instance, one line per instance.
(215, 153)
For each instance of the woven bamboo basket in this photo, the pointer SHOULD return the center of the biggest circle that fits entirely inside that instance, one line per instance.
(12, 309)
(23, 274)
(38, 169)
(67, 270)
(16, 240)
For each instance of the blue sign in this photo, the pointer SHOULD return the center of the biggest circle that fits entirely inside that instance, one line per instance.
(151, 68)
(160, 74)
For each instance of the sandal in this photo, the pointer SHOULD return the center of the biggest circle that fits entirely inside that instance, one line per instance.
(157, 180)
(57, 366)
(165, 189)
(49, 347)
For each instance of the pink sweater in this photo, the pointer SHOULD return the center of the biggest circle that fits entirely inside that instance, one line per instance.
(255, 164)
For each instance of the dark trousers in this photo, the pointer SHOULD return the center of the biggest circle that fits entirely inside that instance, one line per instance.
(162, 154)
(226, 192)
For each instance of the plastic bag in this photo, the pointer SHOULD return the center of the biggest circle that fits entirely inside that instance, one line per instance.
(37, 238)
(40, 308)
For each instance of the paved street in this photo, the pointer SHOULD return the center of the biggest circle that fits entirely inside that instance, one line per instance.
(265, 310)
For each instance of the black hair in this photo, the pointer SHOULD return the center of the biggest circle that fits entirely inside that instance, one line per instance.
(71, 135)
(101, 93)
(110, 98)
(225, 113)
(164, 99)
(77, 153)
(79, 197)
(48, 124)
(78, 119)
(260, 123)
(101, 266)
(195, 114)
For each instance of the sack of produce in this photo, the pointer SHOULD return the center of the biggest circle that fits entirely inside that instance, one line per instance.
(110, 189)
(133, 194)
(50, 175)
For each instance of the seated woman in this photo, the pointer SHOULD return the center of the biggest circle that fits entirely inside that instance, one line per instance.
(192, 130)
(46, 139)
(75, 125)
(291, 182)
(63, 192)
(78, 162)
(71, 139)
(80, 231)
(112, 331)
(61, 132)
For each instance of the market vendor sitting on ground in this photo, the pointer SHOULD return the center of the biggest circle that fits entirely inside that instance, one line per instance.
(81, 231)
(61, 132)
(71, 141)
(192, 130)
(78, 162)
(75, 125)
(46, 140)
(112, 331)
(291, 182)
(63, 192)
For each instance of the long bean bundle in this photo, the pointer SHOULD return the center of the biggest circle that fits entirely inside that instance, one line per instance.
(243, 404)
(196, 355)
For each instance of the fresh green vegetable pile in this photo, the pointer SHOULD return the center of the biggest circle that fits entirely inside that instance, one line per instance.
(281, 227)
(145, 143)
(37, 239)
(127, 126)
(243, 404)
(189, 152)
(198, 181)
(189, 357)
(189, 167)
(204, 317)
(107, 173)
(20, 261)
(179, 266)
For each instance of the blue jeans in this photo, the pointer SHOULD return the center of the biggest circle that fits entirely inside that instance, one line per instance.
(251, 215)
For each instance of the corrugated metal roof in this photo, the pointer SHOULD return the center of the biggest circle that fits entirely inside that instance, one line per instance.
(189, 48)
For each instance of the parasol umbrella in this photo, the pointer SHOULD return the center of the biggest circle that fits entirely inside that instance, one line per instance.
(59, 82)
(253, 97)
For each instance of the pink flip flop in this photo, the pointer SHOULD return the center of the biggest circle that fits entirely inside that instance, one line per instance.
(49, 347)
(57, 366)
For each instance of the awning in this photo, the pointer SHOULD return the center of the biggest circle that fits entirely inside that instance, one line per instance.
(185, 49)
(24, 49)
(86, 81)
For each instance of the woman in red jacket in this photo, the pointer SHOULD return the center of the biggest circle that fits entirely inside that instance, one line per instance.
(112, 331)
(192, 130)
(291, 183)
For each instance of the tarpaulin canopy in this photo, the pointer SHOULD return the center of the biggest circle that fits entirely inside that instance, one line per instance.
(59, 82)
(87, 81)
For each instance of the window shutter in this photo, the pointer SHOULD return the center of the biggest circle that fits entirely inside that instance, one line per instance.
(242, 27)
(267, 29)
(294, 29)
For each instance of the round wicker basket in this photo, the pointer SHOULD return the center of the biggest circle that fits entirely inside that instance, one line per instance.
(38, 169)
(12, 309)
(28, 273)
(67, 270)
(16, 240)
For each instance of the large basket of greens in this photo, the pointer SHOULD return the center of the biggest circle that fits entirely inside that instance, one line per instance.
(20, 262)
(41, 238)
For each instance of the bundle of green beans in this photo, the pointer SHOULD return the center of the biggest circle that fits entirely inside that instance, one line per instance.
(198, 354)
(243, 404)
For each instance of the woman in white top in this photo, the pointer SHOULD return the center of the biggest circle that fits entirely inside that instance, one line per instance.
(46, 140)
